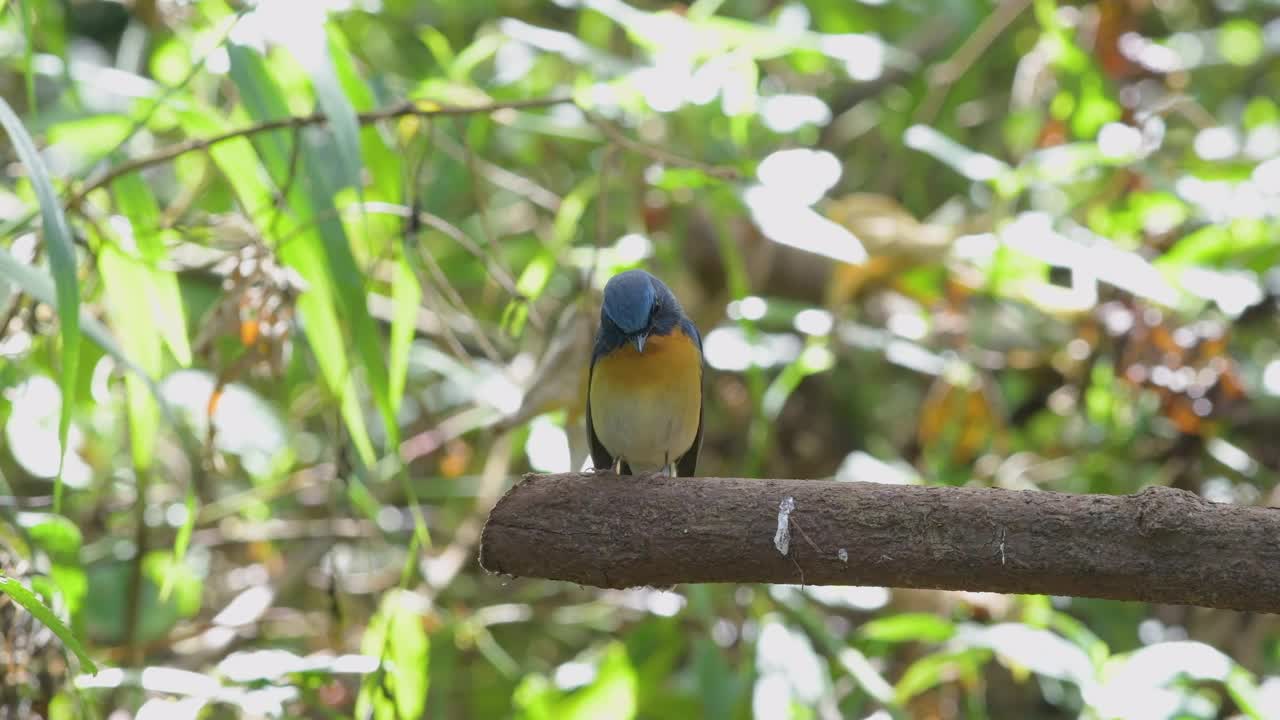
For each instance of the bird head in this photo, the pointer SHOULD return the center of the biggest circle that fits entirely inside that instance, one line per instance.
(637, 305)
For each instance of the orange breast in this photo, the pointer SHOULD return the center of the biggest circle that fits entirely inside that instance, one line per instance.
(645, 406)
(664, 356)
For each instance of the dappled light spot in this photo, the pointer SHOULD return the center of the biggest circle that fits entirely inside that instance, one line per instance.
(31, 433)
(864, 56)
(547, 447)
(790, 670)
(1118, 140)
(973, 165)
(1217, 143)
(1271, 377)
(1267, 176)
(812, 321)
(788, 113)
(171, 709)
(727, 348)
(859, 466)
(785, 220)
(1040, 651)
(849, 597)
(1232, 291)
(802, 175)
(243, 423)
(245, 608)
(751, 307)
(1138, 684)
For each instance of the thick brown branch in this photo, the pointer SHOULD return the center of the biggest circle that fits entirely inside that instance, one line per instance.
(1159, 545)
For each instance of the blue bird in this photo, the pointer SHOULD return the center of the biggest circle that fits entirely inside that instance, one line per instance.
(644, 388)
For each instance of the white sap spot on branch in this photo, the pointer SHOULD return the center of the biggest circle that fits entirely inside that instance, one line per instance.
(782, 537)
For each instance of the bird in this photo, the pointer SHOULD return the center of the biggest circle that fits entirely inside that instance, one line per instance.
(645, 382)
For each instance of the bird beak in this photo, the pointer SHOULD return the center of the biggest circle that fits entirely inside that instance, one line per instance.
(639, 342)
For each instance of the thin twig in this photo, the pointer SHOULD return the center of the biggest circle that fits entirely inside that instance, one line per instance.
(658, 154)
(501, 177)
(448, 292)
(133, 597)
(602, 198)
(944, 75)
(419, 108)
(500, 272)
(282, 194)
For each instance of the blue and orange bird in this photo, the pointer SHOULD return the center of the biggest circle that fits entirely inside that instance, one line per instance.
(644, 388)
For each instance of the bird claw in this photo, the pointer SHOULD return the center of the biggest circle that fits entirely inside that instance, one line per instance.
(665, 473)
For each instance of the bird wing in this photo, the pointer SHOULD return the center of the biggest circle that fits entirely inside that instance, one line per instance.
(600, 457)
(688, 462)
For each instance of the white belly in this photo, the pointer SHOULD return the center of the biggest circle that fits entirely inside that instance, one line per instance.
(650, 434)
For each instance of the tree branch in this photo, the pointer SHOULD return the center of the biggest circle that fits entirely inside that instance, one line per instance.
(1159, 545)
(421, 108)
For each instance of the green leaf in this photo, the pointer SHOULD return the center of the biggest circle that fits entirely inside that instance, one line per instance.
(933, 670)
(62, 261)
(568, 219)
(1042, 652)
(181, 542)
(238, 162)
(717, 687)
(40, 286)
(91, 136)
(58, 536)
(164, 570)
(310, 47)
(32, 604)
(327, 244)
(406, 295)
(138, 204)
(396, 635)
(613, 694)
(28, 55)
(908, 627)
(126, 281)
(71, 581)
(1240, 41)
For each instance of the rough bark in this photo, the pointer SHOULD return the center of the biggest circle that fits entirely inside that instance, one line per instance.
(1159, 545)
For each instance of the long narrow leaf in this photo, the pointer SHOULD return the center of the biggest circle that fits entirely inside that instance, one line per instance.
(28, 600)
(28, 56)
(265, 102)
(40, 286)
(137, 202)
(406, 295)
(62, 260)
(125, 281)
(239, 163)
(309, 45)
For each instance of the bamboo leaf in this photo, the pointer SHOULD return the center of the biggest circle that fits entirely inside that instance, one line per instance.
(264, 101)
(62, 261)
(138, 204)
(32, 604)
(125, 281)
(239, 163)
(311, 48)
(406, 295)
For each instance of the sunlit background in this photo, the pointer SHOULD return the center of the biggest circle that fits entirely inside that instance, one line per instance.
(1015, 244)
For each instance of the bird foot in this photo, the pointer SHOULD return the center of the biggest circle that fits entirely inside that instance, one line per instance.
(666, 472)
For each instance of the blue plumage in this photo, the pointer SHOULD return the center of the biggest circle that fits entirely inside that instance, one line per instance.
(645, 391)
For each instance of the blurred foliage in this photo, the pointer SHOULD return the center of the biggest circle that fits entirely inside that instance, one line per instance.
(300, 287)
